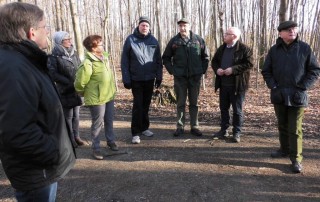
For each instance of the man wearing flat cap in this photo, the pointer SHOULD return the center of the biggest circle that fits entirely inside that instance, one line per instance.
(290, 69)
(185, 58)
(141, 68)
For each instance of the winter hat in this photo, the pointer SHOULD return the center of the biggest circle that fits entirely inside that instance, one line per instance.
(144, 19)
(59, 36)
(185, 20)
(286, 25)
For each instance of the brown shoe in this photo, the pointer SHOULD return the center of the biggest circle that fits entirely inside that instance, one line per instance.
(79, 141)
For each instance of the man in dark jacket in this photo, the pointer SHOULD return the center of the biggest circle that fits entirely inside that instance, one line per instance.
(35, 148)
(290, 69)
(141, 68)
(232, 64)
(185, 58)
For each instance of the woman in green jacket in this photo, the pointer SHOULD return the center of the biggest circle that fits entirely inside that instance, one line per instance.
(95, 81)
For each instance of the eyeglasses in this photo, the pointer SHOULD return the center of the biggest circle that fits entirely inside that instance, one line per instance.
(227, 34)
(47, 27)
(69, 39)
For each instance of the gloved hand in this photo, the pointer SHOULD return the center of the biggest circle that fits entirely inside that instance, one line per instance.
(157, 83)
(127, 85)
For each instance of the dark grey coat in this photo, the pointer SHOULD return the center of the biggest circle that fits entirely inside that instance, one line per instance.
(289, 72)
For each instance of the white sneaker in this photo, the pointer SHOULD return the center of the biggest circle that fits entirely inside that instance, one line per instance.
(147, 133)
(135, 139)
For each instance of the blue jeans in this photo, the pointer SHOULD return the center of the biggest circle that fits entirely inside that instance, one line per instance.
(44, 194)
(228, 97)
(102, 114)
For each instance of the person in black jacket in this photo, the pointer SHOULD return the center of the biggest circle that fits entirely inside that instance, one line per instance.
(141, 68)
(35, 148)
(186, 58)
(231, 63)
(290, 69)
(63, 64)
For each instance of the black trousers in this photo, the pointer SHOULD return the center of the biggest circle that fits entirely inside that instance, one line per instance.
(228, 97)
(142, 94)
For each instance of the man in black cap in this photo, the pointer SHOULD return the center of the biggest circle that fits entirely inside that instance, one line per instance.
(185, 57)
(290, 69)
(141, 68)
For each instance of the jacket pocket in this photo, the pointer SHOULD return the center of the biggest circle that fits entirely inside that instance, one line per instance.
(276, 96)
(300, 97)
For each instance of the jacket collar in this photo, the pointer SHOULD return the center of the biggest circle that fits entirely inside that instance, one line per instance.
(31, 51)
(281, 43)
(92, 57)
(139, 35)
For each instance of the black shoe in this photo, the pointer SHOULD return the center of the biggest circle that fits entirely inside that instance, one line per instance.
(220, 135)
(178, 132)
(97, 155)
(196, 132)
(236, 138)
(279, 154)
(296, 167)
(113, 146)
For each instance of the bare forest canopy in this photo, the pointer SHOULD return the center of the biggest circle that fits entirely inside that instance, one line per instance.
(116, 19)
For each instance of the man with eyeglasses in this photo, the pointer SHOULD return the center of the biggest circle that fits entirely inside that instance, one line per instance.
(231, 63)
(35, 148)
(290, 69)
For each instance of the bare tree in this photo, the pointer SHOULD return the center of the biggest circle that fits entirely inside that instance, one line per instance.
(283, 11)
(76, 28)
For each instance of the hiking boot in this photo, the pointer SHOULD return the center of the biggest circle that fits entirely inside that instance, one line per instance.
(97, 155)
(296, 167)
(196, 132)
(80, 142)
(279, 154)
(236, 137)
(136, 139)
(178, 132)
(220, 135)
(147, 133)
(113, 146)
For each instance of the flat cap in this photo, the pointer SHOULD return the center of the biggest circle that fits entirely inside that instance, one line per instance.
(286, 25)
(185, 20)
(144, 19)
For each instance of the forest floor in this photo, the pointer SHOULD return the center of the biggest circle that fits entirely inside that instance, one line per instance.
(189, 168)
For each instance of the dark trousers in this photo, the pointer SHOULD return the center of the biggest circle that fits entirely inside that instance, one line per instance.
(142, 94)
(183, 87)
(228, 97)
(102, 114)
(290, 130)
(44, 194)
(72, 117)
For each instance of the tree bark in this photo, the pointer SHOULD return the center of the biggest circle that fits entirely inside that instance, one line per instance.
(76, 28)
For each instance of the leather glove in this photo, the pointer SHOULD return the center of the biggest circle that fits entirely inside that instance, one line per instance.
(127, 85)
(157, 83)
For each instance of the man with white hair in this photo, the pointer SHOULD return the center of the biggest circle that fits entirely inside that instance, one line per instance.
(231, 63)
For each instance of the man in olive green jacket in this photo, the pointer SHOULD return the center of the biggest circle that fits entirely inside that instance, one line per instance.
(185, 57)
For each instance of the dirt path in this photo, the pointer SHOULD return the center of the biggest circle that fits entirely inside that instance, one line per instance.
(188, 168)
(163, 168)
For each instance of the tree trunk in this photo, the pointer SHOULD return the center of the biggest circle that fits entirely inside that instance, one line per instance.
(283, 11)
(76, 28)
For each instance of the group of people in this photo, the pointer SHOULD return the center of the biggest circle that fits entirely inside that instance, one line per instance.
(41, 94)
